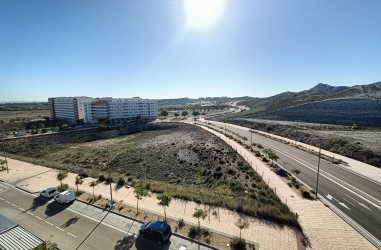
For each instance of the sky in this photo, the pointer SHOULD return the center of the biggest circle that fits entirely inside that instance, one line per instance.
(179, 48)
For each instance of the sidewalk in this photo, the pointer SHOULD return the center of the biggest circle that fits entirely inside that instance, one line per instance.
(266, 235)
(323, 227)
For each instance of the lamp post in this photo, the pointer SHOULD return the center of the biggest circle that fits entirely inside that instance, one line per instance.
(251, 137)
(317, 178)
(109, 175)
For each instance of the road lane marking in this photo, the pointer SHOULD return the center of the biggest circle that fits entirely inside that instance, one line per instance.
(39, 218)
(71, 235)
(22, 209)
(7, 202)
(1, 199)
(47, 222)
(30, 213)
(14, 205)
(60, 229)
(348, 201)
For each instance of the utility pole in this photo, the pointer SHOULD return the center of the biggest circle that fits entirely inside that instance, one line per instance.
(317, 178)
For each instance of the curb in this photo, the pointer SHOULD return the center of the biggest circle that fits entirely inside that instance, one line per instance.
(124, 216)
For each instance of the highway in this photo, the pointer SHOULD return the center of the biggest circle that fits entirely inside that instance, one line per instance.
(77, 225)
(355, 197)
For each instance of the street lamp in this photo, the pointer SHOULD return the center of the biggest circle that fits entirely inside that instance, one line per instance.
(318, 170)
(109, 175)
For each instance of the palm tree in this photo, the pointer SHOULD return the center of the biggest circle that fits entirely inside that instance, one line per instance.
(93, 184)
(199, 213)
(164, 201)
(61, 175)
(78, 181)
(140, 192)
(242, 223)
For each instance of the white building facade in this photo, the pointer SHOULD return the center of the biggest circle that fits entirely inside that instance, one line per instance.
(92, 110)
(68, 108)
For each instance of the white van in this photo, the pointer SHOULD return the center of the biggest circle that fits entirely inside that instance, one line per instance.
(65, 197)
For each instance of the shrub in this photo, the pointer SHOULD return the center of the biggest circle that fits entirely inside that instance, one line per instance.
(238, 244)
(101, 178)
(99, 197)
(181, 223)
(121, 181)
(63, 187)
(194, 232)
(78, 193)
(306, 194)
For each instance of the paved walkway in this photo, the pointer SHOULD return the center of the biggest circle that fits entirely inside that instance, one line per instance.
(324, 228)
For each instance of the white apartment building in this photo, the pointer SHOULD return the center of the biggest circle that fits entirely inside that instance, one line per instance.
(120, 109)
(68, 108)
(92, 110)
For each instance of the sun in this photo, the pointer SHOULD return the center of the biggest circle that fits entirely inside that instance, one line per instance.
(203, 13)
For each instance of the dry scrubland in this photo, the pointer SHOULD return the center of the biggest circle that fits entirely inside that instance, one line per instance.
(184, 160)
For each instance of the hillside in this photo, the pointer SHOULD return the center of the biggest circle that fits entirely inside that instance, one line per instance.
(360, 104)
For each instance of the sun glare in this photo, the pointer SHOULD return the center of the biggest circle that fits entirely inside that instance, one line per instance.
(203, 13)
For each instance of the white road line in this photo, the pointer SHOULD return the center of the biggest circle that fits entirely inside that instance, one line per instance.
(47, 222)
(30, 213)
(348, 201)
(22, 209)
(14, 205)
(60, 229)
(7, 202)
(71, 235)
(39, 218)
(1, 199)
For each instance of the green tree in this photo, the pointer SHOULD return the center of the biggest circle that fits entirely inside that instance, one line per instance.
(164, 201)
(195, 113)
(242, 223)
(199, 214)
(163, 113)
(78, 181)
(61, 175)
(184, 113)
(176, 114)
(93, 184)
(140, 192)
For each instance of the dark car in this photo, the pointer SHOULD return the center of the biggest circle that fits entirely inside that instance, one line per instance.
(156, 230)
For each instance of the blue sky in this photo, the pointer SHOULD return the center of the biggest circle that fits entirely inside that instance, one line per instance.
(147, 48)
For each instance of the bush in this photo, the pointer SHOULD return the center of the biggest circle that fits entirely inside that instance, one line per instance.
(78, 193)
(306, 194)
(121, 181)
(63, 187)
(101, 178)
(194, 232)
(181, 223)
(238, 244)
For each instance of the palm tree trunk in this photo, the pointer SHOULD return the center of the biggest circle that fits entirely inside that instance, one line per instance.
(165, 215)
(137, 206)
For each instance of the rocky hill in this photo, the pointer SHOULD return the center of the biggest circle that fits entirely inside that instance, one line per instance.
(360, 104)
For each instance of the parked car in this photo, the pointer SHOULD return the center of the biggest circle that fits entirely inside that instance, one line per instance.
(156, 230)
(65, 197)
(49, 192)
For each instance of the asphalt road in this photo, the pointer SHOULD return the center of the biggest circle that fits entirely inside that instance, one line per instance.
(77, 225)
(354, 195)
